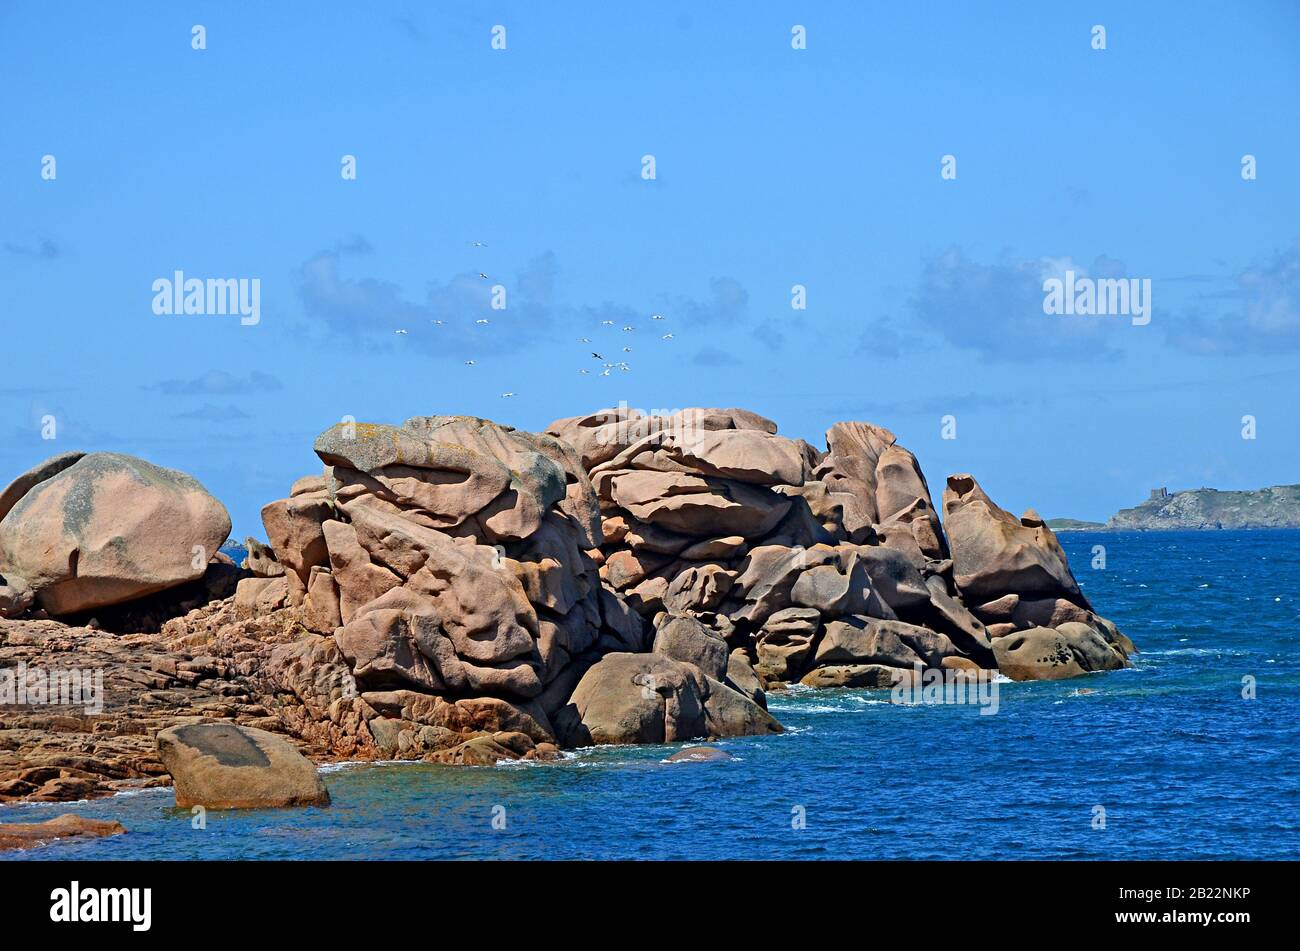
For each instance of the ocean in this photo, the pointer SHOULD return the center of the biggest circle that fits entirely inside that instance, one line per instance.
(1165, 761)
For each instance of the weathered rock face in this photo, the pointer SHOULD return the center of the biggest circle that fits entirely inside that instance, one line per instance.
(993, 552)
(223, 766)
(91, 531)
(450, 558)
(805, 561)
(709, 514)
(1014, 573)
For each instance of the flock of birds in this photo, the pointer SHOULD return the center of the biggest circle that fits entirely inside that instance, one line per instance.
(606, 367)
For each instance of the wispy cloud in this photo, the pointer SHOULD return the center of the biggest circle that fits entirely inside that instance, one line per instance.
(1259, 314)
(456, 319)
(220, 383)
(212, 413)
(42, 249)
(996, 309)
(714, 357)
(373, 310)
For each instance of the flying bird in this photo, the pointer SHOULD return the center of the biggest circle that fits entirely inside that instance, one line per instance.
(607, 323)
(668, 336)
(657, 317)
(438, 322)
(478, 244)
(469, 363)
(597, 355)
(401, 331)
(627, 349)
(482, 320)
(506, 395)
(482, 275)
(629, 328)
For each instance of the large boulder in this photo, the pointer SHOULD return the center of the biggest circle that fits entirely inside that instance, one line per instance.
(24, 483)
(109, 528)
(867, 640)
(650, 698)
(688, 640)
(994, 553)
(224, 766)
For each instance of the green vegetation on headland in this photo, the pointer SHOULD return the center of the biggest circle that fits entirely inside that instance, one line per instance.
(1200, 509)
(1073, 525)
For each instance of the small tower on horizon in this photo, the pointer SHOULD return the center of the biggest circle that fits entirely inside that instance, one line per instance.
(1158, 494)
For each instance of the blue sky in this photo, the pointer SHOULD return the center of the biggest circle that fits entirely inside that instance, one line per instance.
(775, 167)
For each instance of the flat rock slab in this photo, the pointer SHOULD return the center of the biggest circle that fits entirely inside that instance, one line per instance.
(224, 766)
(15, 835)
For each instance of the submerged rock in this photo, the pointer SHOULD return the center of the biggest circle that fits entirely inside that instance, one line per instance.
(16, 835)
(699, 754)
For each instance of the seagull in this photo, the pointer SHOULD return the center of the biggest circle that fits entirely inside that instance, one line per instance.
(625, 368)
(478, 244)
(469, 363)
(657, 317)
(506, 395)
(668, 336)
(584, 372)
(482, 275)
(482, 320)
(629, 328)
(585, 340)
(597, 355)
(607, 323)
(438, 322)
(401, 331)
(604, 373)
(627, 349)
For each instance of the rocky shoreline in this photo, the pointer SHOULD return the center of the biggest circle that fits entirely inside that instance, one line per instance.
(458, 591)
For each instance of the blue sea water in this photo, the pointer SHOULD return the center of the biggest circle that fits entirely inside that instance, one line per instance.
(1183, 766)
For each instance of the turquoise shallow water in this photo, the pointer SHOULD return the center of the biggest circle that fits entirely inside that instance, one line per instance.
(1182, 765)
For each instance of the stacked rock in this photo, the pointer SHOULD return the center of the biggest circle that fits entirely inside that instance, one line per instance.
(831, 568)
(1014, 573)
(448, 560)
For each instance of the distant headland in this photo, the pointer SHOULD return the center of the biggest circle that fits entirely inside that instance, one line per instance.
(1200, 509)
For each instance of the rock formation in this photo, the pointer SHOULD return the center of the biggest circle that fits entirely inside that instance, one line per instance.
(462, 592)
(449, 562)
(830, 568)
(86, 531)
